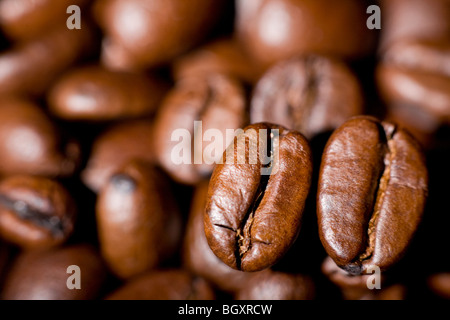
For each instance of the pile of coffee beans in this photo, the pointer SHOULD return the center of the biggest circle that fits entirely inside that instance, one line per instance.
(224, 149)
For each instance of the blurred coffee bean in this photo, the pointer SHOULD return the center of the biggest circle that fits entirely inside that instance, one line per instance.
(35, 212)
(30, 143)
(253, 217)
(164, 285)
(44, 275)
(96, 94)
(218, 102)
(420, 55)
(198, 257)
(311, 94)
(414, 20)
(115, 147)
(439, 284)
(275, 30)
(146, 33)
(138, 222)
(21, 19)
(356, 287)
(29, 67)
(413, 79)
(417, 74)
(225, 56)
(272, 285)
(372, 190)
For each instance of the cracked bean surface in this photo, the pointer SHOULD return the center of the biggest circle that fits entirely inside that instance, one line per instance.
(254, 209)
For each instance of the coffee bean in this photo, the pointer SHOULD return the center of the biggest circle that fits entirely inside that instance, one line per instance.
(166, 29)
(439, 284)
(116, 146)
(138, 223)
(431, 21)
(44, 276)
(413, 79)
(311, 94)
(218, 102)
(25, 19)
(30, 143)
(274, 30)
(164, 285)
(371, 194)
(31, 66)
(272, 285)
(96, 94)
(417, 74)
(254, 210)
(224, 56)
(35, 212)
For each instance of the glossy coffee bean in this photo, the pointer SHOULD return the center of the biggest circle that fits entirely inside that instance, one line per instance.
(21, 19)
(30, 67)
(372, 189)
(254, 209)
(146, 33)
(311, 94)
(30, 143)
(164, 285)
(225, 56)
(197, 255)
(114, 147)
(217, 101)
(95, 94)
(275, 30)
(138, 222)
(431, 21)
(35, 212)
(272, 285)
(44, 276)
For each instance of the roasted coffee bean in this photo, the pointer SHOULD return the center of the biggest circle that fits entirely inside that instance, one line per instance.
(417, 74)
(413, 79)
(146, 33)
(164, 285)
(275, 30)
(439, 284)
(94, 93)
(44, 275)
(311, 94)
(218, 103)
(35, 212)
(21, 19)
(31, 144)
(362, 287)
(272, 285)
(115, 147)
(225, 56)
(371, 194)
(431, 21)
(29, 67)
(138, 222)
(198, 257)
(254, 209)
(427, 56)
